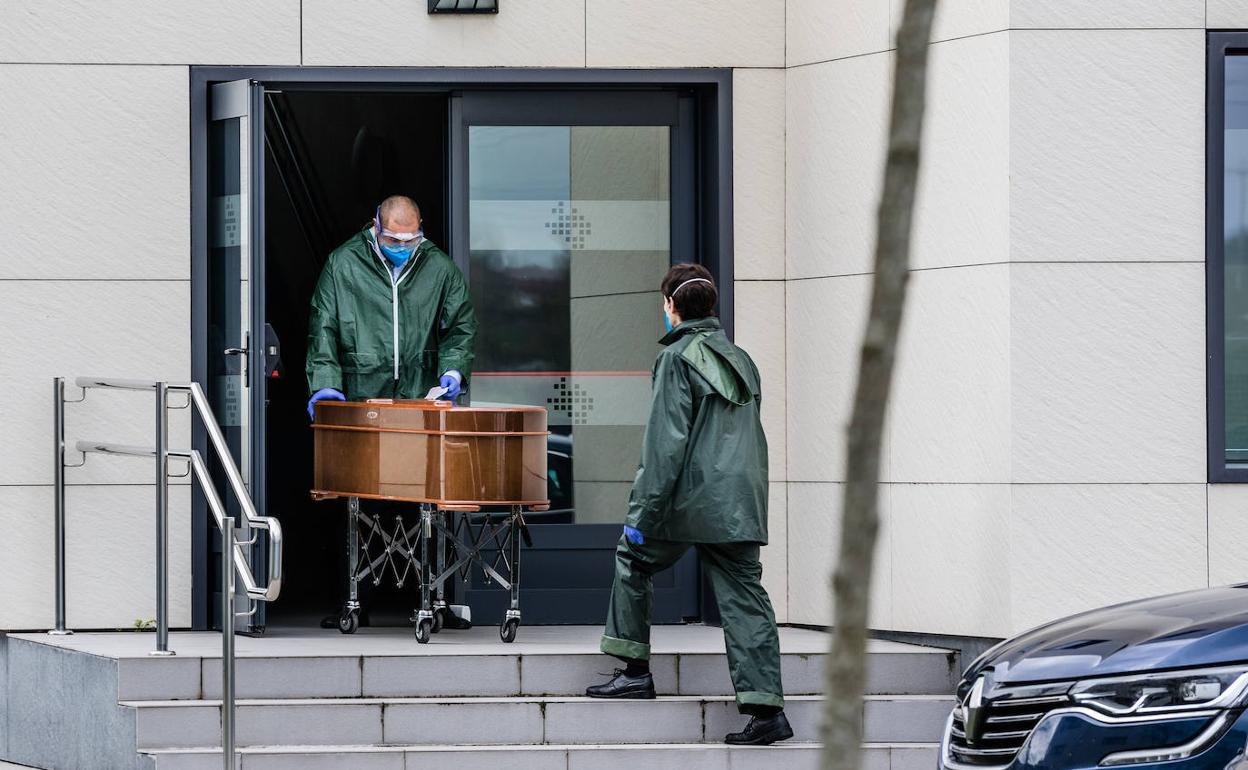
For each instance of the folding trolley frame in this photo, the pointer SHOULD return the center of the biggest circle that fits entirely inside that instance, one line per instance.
(404, 552)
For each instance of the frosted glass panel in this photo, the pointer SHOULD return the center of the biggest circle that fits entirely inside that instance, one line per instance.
(569, 236)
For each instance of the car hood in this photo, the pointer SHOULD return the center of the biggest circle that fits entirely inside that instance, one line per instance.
(1195, 628)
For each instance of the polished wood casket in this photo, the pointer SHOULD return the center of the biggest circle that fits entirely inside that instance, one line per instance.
(431, 452)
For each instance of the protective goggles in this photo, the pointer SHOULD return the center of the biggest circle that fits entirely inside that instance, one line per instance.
(389, 237)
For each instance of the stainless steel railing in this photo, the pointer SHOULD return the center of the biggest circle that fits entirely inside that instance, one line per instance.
(234, 559)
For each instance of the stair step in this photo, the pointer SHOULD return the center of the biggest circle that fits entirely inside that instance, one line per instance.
(688, 756)
(518, 721)
(451, 675)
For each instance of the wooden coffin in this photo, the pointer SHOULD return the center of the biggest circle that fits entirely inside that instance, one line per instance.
(431, 452)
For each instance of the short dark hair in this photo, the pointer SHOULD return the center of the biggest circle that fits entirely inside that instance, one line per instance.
(693, 300)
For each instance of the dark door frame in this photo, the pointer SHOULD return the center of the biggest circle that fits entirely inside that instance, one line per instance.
(712, 239)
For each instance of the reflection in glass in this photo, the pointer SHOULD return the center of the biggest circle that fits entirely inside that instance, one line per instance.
(569, 235)
(1235, 278)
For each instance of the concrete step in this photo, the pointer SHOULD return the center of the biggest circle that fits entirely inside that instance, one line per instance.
(552, 660)
(512, 721)
(695, 756)
(498, 675)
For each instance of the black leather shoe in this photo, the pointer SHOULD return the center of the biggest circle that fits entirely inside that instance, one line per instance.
(762, 731)
(624, 686)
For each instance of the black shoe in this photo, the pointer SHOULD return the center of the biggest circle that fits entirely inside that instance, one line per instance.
(762, 731)
(624, 686)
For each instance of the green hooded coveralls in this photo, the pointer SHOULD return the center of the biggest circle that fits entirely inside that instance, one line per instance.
(372, 335)
(702, 482)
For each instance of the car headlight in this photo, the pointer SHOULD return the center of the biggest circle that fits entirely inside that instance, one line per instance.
(1169, 692)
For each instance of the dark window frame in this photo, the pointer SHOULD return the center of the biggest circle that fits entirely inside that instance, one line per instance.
(1219, 46)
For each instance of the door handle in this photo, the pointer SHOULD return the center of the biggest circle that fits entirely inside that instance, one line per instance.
(243, 351)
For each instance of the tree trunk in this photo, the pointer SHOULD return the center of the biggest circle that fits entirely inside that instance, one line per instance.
(851, 583)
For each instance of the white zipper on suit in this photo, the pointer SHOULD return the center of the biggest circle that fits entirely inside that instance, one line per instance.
(394, 297)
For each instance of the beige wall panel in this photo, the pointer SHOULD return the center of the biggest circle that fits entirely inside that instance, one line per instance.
(819, 30)
(134, 329)
(825, 318)
(951, 558)
(690, 33)
(837, 124)
(26, 559)
(1058, 554)
(1108, 373)
(1107, 145)
(1226, 14)
(959, 18)
(760, 314)
(964, 185)
(949, 418)
(110, 557)
(775, 555)
(1228, 531)
(102, 151)
(758, 147)
(150, 32)
(525, 34)
(1114, 14)
(814, 522)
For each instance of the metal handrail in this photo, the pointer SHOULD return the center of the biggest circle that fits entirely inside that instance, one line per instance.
(232, 474)
(232, 549)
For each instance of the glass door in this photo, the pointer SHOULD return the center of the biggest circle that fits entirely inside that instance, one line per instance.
(571, 208)
(236, 361)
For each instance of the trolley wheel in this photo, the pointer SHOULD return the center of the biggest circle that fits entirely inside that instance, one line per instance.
(349, 621)
(423, 628)
(508, 629)
(437, 621)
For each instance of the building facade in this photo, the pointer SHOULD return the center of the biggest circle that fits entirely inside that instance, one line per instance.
(1047, 449)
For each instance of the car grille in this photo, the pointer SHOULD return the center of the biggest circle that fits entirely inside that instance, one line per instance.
(1010, 718)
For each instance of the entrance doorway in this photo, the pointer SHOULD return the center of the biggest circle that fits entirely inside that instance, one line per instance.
(563, 208)
(331, 157)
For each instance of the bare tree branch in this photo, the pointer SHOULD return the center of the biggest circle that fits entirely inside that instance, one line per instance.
(851, 584)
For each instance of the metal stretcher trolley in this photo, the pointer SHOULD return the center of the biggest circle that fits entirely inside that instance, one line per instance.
(452, 461)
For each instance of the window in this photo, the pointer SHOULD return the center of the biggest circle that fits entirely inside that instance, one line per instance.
(1227, 255)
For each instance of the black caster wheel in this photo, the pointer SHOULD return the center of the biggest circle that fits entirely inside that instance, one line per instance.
(508, 630)
(437, 621)
(423, 629)
(348, 622)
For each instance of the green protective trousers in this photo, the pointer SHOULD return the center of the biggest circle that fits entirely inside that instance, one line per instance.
(750, 633)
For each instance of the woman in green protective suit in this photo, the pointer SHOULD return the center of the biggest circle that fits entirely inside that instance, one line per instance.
(702, 483)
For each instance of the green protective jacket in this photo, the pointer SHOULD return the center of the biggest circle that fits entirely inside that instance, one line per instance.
(703, 472)
(371, 335)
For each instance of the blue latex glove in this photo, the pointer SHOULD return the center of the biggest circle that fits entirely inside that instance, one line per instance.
(451, 383)
(634, 537)
(321, 395)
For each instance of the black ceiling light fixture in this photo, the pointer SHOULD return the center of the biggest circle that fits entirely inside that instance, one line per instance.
(463, 6)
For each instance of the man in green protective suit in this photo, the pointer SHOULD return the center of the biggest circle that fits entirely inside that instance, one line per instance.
(391, 318)
(702, 483)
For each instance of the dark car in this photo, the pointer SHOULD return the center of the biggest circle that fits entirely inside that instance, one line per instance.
(1157, 683)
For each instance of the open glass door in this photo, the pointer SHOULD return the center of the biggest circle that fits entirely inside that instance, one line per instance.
(236, 361)
(570, 207)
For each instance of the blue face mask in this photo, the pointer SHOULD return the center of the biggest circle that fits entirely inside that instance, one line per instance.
(398, 255)
(666, 321)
